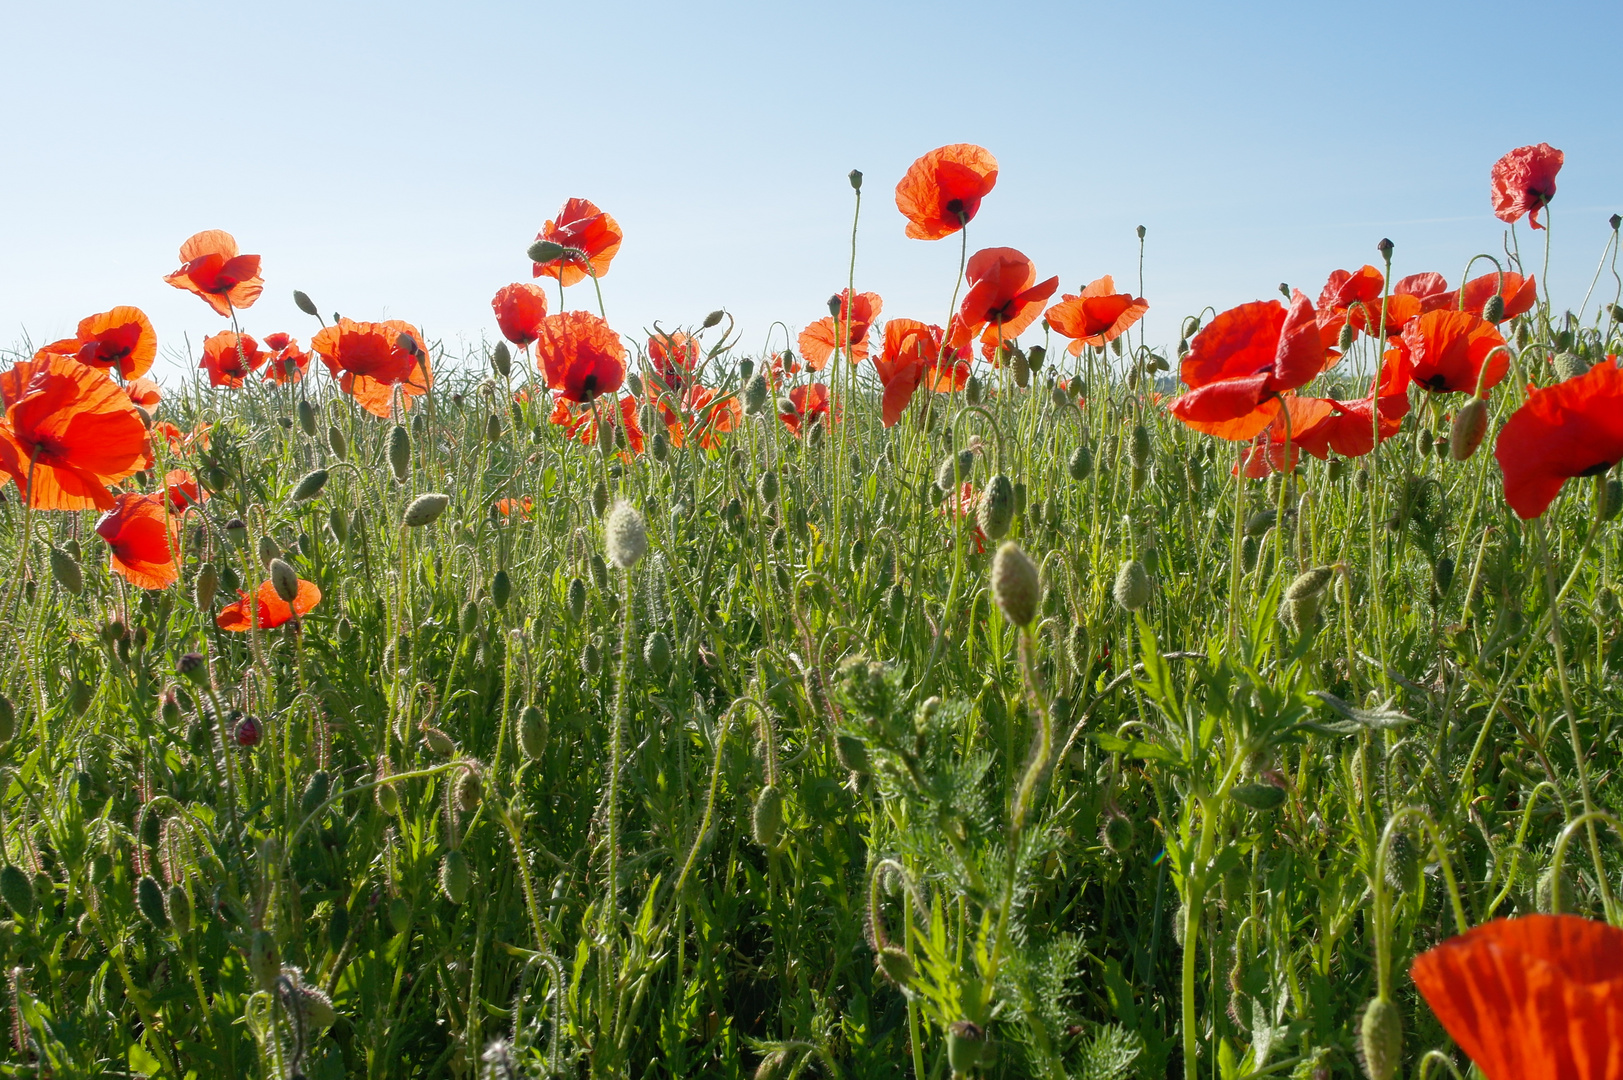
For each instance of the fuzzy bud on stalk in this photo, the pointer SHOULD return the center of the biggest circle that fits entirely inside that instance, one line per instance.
(1569, 365)
(400, 452)
(1470, 424)
(532, 732)
(1015, 584)
(284, 580)
(302, 301)
(455, 876)
(337, 443)
(65, 569)
(766, 822)
(1380, 1040)
(756, 393)
(713, 319)
(1132, 588)
(995, 511)
(1494, 310)
(425, 510)
(625, 535)
(501, 360)
(310, 485)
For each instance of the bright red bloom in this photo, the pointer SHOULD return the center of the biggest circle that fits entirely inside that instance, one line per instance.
(523, 506)
(700, 413)
(912, 357)
(1571, 429)
(1429, 288)
(1242, 360)
(580, 355)
(212, 269)
(580, 421)
(143, 539)
(73, 428)
(1519, 293)
(809, 401)
(943, 190)
(1538, 997)
(122, 338)
(1004, 297)
(143, 392)
(1096, 316)
(519, 309)
(675, 357)
(270, 611)
(182, 489)
(1448, 350)
(1524, 182)
(370, 360)
(287, 363)
(230, 358)
(819, 340)
(1350, 428)
(181, 441)
(593, 237)
(1349, 296)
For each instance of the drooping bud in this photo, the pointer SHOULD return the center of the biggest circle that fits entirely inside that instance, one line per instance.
(263, 959)
(470, 790)
(268, 549)
(767, 487)
(1015, 584)
(966, 1041)
(501, 587)
(1132, 588)
(302, 301)
(756, 393)
(576, 599)
(1569, 365)
(656, 652)
(284, 580)
(1494, 309)
(493, 427)
(337, 443)
(425, 510)
(995, 511)
(1380, 1040)
(1138, 450)
(714, 318)
(1116, 834)
(532, 732)
(1465, 434)
(1309, 583)
(1344, 340)
(954, 469)
(437, 742)
(973, 391)
(180, 909)
(455, 876)
(1080, 463)
(149, 901)
(400, 452)
(501, 360)
(766, 821)
(625, 535)
(310, 485)
(545, 251)
(1035, 356)
(65, 569)
(307, 417)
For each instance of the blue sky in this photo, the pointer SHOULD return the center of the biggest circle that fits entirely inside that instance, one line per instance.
(394, 160)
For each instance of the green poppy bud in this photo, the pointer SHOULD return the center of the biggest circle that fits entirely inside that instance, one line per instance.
(1080, 463)
(264, 960)
(995, 510)
(65, 569)
(302, 301)
(656, 652)
(180, 909)
(307, 417)
(1465, 434)
(501, 360)
(149, 899)
(766, 821)
(625, 535)
(16, 890)
(1380, 1040)
(1132, 587)
(1494, 310)
(400, 452)
(532, 732)
(1015, 584)
(425, 510)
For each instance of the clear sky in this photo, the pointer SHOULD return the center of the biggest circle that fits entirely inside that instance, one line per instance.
(396, 159)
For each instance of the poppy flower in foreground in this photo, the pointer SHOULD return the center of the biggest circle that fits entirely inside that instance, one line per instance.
(1571, 429)
(371, 359)
(230, 358)
(912, 357)
(1523, 182)
(1350, 427)
(212, 268)
(810, 400)
(182, 489)
(1449, 350)
(1538, 997)
(1004, 297)
(580, 355)
(819, 340)
(942, 191)
(121, 339)
(142, 536)
(1096, 316)
(74, 428)
(1242, 360)
(519, 309)
(674, 357)
(592, 236)
(1354, 297)
(272, 611)
(144, 392)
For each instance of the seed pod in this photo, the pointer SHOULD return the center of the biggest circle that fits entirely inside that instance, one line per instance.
(1015, 584)
(1309, 583)
(1138, 450)
(455, 876)
(1380, 1040)
(532, 732)
(625, 535)
(400, 452)
(16, 890)
(1132, 588)
(180, 909)
(656, 652)
(149, 900)
(1334, 468)
(424, 510)
(65, 569)
(995, 510)
(263, 959)
(756, 393)
(1470, 424)
(437, 742)
(767, 487)
(1080, 463)
(315, 792)
(470, 790)
(1116, 834)
(284, 580)
(766, 822)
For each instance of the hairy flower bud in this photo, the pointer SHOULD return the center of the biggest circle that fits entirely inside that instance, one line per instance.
(995, 510)
(1132, 587)
(1470, 424)
(625, 535)
(400, 452)
(284, 580)
(1380, 1040)
(425, 510)
(1015, 584)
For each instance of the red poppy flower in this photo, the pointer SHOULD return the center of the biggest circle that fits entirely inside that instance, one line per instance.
(229, 358)
(370, 360)
(963, 505)
(143, 538)
(278, 341)
(675, 357)
(122, 338)
(819, 340)
(1448, 350)
(1538, 997)
(1349, 296)
(272, 611)
(912, 357)
(1519, 293)
(73, 428)
(144, 392)
(287, 363)
(211, 268)
(809, 400)
(1574, 428)
(1267, 451)
(519, 309)
(1004, 297)
(592, 236)
(943, 190)
(1429, 288)
(580, 421)
(711, 417)
(1350, 428)
(522, 506)
(181, 442)
(580, 355)
(1242, 360)
(1524, 182)
(182, 489)
(1096, 316)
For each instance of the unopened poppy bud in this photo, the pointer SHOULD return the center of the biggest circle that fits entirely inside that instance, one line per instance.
(1138, 450)
(307, 416)
(766, 821)
(659, 446)
(180, 909)
(600, 499)
(1385, 248)
(1260, 522)
(65, 569)
(767, 487)
(1061, 397)
(247, 732)
(532, 732)
(966, 1041)
(302, 301)
(455, 876)
(1309, 583)
(1117, 832)
(1570, 365)
(1380, 1040)
(469, 617)
(545, 251)
(400, 452)
(1080, 463)
(337, 443)
(972, 390)
(1608, 497)
(895, 965)
(995, 511)
(1132, 587)
(625, 535)
(263, 959)
(16, 890)
(384, 794)
(1465, 434)
(714, 318)
(284, 580)
(656, 652)
(268, 549)
(576, 599)
(1344, 340)
(338, 525)
(493, 427)
(470, 790)
(1022, 368)
(193, 668)
(310, 485)
(954, 469)
(756, 393)
(1035, 356)
(501, 360)
(1015, 584)
(425, 510)
(1494, 310)
(855, 176)
(316, 791)
(501, 587)
(1442, 575)
(437, 742)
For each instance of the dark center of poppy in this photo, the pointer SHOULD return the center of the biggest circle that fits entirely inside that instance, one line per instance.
(1598, 468)
(588, 387)
(955, 206)
(1539, 196)
(1437, 384)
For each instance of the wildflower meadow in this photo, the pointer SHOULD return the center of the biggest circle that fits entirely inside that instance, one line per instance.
(980, 692)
